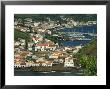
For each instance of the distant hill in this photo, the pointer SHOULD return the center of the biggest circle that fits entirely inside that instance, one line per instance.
(43, 17)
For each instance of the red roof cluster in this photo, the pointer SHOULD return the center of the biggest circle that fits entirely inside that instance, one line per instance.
(42, 44)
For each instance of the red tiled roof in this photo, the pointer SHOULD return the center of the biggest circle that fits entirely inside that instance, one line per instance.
(42, 44)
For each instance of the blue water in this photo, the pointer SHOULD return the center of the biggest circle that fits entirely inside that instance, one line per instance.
(83, 29)
(32, 73)
(74, 43)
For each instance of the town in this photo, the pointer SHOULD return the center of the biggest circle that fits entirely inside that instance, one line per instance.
(42, 48)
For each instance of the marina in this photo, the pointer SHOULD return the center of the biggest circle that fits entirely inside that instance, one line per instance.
(84, 33)
(50, 46)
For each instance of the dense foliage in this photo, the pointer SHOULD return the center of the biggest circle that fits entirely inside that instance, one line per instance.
(55, 17)
(89, 49)
(88, 59)
(20, 34)
(23, 35)
(52, 38)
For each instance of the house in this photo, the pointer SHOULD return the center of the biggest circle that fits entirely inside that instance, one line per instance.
(17, 58)
(41, 47)
(22, 48)
(45, 47)
(58, 60)
(69, 62)
(34, 56)
(52, 47)
(17, 43)
(91, 22)
(68, 48)
(17, 65)
(61, 60)
(36, 64)
(16, 50)
(23, 53)
(38, 35)
(23, 29)
(23, 64)
(40, 59)
(49, 32)
(56, 55)
(20, 44)
(36, 23)
(77, 48)
(47, 63)
(29, 64)
(30, 44)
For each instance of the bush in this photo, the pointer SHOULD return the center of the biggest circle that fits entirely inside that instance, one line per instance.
(89, 63)
(88, 58)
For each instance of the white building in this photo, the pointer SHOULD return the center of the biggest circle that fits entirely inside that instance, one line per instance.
(29, 64)
(36, 64)
(36, 23)
(45, 47)
(30, 44)
(19, 65)
(77, 48)
(17, 43)
(47, 63)
(69, 62)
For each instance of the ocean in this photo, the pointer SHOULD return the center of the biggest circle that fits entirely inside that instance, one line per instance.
(32, 73)
(83, 29)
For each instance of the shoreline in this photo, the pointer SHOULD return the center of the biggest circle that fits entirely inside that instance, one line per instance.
(48, 69)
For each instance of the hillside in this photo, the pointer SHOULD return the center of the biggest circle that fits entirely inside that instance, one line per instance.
(90, 49)
(88, 58)
(43, 17)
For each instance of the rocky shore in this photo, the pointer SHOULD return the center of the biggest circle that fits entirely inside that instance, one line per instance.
(48, 69)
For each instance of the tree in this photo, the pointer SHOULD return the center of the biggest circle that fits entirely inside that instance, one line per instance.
(23, 35)
(88, 58)
(90, 64)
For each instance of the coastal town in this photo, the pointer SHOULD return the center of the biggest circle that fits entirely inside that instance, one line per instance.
(42, 47)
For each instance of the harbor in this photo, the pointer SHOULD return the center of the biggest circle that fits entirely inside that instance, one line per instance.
(50, 45)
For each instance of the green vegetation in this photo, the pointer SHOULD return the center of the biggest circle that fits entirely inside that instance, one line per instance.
(23, 35)
(83, 17)
(55, 17)
(88, 58)
(52, 38)
(89, 49)
(20, 34)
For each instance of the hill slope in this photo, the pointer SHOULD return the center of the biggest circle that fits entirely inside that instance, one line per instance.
(88, 58)
(90, 49)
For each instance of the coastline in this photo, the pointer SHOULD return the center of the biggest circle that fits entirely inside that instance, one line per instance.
(48, 69)
(30, 72)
